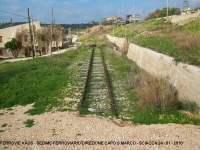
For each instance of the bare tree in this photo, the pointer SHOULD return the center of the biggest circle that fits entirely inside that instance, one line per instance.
(22, 35)
(57, 34)
(45, 35)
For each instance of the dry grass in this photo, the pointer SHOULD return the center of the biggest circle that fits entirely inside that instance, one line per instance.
(96, 30)
(83, 37)
(125, 47)
(90, 44)
(101, 44)
(186, 41)
(153, 91)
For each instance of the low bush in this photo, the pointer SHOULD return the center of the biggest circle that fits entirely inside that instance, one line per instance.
(125, 47)
(155, 92)
(188, 106)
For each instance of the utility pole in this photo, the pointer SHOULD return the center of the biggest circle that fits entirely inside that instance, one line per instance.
(113, 29)
(51, 33)
(29, 20)
(33, 36)
(122, 10)
(133, 11)
(11, 22)
(167, 8)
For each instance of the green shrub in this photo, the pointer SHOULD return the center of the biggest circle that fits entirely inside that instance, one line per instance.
(188, 106)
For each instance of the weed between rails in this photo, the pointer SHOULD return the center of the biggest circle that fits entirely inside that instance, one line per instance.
(43, 81)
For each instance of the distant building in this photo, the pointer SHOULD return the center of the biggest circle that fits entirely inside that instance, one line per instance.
(189, 11)
(133, 18)
(113, 18)
(7, 34)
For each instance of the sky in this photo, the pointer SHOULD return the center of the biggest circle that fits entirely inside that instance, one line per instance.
(81, 11)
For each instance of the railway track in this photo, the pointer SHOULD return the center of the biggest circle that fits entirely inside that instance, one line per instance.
(96, 96)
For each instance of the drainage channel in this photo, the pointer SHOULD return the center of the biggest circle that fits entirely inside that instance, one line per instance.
(97, 94)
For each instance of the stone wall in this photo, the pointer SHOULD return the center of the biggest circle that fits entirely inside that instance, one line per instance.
(186, 78)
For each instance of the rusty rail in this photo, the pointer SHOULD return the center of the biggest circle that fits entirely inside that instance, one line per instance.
(86, 80)
(107, 82)
(112, 105)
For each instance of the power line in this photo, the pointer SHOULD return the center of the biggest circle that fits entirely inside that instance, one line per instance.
(16, 14)
(13, 14)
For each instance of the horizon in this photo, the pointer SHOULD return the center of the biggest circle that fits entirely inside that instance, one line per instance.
(81, 11)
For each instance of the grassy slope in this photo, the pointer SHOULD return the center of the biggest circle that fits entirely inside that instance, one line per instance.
(124, 67)
(180, 42)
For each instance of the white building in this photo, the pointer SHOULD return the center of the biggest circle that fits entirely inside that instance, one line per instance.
(7, 34)
(133, 18)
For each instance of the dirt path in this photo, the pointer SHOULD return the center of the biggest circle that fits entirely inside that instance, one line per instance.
(54, 130)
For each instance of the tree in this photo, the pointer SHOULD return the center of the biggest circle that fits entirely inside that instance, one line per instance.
(45, 35)
(196, 9)
(14, 46)
(150, 16)
(163, 13)
(57, 34)
(22, 35)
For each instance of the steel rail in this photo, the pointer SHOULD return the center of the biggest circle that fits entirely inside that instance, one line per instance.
(86, 80)
(112, 105)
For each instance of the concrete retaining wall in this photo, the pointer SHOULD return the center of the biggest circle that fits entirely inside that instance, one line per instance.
(118, 41)
(183, 19)
(186, 78)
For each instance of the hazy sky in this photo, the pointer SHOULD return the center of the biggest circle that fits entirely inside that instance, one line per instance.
(82, 11)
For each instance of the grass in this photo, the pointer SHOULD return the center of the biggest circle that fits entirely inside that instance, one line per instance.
(165, 108)
(29, 123)
(47, 81)
(179, 42)
(150, 116)
(40, 81)
(2, 131)
(187, 105)
(54, 132)
(4, 125)
(151, 113)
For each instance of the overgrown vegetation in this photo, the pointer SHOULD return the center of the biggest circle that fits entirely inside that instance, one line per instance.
(179, 42)
(46, 82)
(147, 99)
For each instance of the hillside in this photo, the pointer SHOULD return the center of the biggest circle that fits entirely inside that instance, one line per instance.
(180, 42)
